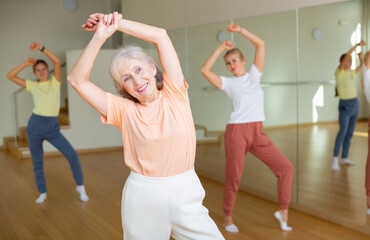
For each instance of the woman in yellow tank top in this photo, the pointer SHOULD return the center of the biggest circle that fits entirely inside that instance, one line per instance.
(348, 106)
(43, 123)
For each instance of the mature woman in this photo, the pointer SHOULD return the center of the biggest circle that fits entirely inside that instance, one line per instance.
(366, 81)
(244, 132)
(348, 106)
(162, 196)
(44, 124)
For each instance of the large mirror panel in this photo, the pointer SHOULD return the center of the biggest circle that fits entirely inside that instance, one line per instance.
(212, 107)
(325, 33)
(302, 53)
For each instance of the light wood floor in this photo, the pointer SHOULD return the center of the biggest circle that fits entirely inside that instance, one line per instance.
(338, 194)
(64, 217)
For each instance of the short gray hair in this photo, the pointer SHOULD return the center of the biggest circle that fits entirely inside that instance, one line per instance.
(132, 52)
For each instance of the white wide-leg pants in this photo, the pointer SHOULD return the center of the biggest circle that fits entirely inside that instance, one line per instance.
(157, 208)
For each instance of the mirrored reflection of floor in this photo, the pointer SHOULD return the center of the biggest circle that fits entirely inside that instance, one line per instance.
(341, 192)
(338, 192)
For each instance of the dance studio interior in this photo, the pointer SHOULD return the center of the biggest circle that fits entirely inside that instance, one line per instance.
(303, 44)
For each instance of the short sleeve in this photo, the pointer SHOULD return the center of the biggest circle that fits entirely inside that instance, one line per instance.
(254, 73)
(115, 110)
(30, 85)
(173, 89)
(54, 81)
(225, 83)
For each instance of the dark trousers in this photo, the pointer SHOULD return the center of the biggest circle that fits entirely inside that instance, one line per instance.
(42, 128)
(348, 113)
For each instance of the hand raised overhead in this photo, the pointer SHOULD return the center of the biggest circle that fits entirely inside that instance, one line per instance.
(227, 45)
(30, 61)
(107, 23)
(233, 28)
(35, 46)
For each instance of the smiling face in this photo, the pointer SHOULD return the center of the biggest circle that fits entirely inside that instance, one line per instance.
(138, 80)
(41, 71)
(235, 64)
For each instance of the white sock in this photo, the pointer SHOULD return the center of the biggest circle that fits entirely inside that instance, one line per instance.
(283, 225)
(347, 161)
(82, 191)
(335, 165)
(41, 198)
(368, 211)
(231, 228)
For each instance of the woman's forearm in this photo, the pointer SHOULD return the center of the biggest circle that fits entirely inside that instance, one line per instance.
(211, 60)
(145, 32)
(51, 56)
(255, 40)
(15, 71)
(82, 68)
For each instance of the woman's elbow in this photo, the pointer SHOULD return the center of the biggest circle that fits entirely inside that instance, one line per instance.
(162, 36)
(57, 61)
(10, 76)
(162, 33)
(261, 43)
(72, 79)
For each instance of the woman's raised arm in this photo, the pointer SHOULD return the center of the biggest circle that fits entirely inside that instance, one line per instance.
(158, 37)
(212, 77)
(56, 61)
(79, 75)
(259, 44)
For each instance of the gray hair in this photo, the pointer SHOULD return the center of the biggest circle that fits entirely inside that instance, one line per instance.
(132, 52)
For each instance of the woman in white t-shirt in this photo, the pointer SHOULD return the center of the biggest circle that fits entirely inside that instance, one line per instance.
(366, 81)
(244, 131)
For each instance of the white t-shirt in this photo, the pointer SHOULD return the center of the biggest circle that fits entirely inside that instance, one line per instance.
(366, 80)
(247, 95)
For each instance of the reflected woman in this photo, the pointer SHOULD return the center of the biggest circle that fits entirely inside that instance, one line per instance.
(366, 81)
(244, 132)
(348, 106)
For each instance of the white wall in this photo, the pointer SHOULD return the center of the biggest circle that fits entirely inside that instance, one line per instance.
(44, 21)
(318, 59)
(24, 21)
(171, 14)
(87, 130)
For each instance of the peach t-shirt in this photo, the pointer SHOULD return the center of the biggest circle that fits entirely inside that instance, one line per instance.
(159, 138)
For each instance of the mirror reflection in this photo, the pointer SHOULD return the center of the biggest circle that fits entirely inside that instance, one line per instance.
(302, 116)
(332, 142)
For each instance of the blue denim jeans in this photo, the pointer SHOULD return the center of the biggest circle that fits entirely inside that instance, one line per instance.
(348, 112)
(42, 128)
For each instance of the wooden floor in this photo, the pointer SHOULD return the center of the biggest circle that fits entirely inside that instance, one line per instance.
(340, 195)
(64, 217)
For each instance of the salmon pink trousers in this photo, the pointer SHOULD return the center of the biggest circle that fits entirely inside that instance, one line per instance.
(241, 138)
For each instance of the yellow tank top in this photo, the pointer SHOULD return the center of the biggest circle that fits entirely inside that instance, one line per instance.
(46, 96)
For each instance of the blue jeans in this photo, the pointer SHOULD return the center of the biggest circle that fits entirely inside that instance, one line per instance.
(348, 112)
(42, 128)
